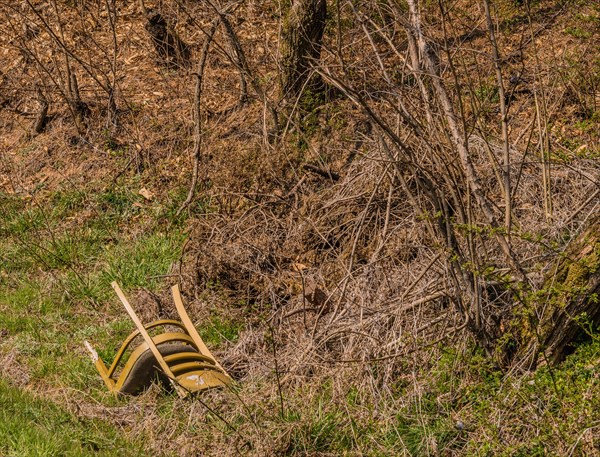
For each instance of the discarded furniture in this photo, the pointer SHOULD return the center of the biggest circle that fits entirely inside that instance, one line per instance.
(178, 357)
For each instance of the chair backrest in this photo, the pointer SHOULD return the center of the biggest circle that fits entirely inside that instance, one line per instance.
(148, 340)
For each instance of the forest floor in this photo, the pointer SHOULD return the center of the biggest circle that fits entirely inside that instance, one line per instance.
(262, 240)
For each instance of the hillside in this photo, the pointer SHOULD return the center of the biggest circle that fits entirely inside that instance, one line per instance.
(387, 233)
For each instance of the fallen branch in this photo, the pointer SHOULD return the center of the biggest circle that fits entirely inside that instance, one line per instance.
(325, 173)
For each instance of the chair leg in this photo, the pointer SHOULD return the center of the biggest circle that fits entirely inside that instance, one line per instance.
(110, 383)
(189, 326)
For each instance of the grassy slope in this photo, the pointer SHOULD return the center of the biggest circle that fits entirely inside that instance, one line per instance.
(34, 427)
(45, 316)
(56, 268)
(59, 254)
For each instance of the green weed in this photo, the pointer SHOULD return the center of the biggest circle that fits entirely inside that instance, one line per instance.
(578, 32)
(220, 330)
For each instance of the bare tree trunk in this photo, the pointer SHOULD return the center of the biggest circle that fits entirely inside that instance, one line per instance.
(302, 33)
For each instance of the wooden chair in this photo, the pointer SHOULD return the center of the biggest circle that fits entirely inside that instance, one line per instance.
(178, 357)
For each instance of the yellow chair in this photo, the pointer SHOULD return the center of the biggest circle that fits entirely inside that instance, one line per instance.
(179, 357)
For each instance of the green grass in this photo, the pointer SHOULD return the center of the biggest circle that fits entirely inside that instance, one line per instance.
(578, 32)
(85, 257)
(58, 256)
(220, 330)
(33, 427)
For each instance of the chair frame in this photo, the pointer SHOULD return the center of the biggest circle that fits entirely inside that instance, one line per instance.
(174, 366)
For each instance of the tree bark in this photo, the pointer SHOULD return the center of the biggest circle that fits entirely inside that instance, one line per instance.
(42, 116)
(569, 302)
(302, 36)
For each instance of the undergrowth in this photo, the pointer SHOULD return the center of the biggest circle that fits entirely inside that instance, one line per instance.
(310, 257)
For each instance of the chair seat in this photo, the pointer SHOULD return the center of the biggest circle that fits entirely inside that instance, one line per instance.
(182, 359)
(198, 380)
(145, 369)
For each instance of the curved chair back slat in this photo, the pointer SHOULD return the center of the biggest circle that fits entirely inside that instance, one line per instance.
(133, 335)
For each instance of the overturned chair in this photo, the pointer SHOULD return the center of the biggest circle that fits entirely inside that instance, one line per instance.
(178, 357)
